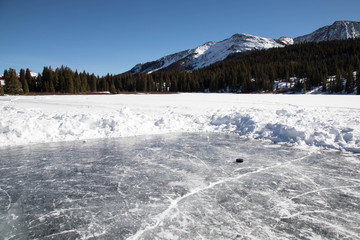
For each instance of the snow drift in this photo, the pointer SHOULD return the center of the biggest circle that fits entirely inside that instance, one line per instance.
(322, 121)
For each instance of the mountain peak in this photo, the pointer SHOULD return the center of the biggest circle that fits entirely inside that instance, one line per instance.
(337, 31)
(209, 53)
(342, 22)
(212, 52)
(241, 35)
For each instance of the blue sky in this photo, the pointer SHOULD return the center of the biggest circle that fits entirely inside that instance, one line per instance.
(108, 36)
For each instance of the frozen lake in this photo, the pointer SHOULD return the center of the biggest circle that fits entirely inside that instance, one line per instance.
(177, 186)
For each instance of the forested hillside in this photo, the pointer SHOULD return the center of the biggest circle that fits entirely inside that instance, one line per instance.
(309, 64)
(331, 65)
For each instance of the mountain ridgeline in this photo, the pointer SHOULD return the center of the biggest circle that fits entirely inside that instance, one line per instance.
(212, 52)
(328, 59)
(209, 53)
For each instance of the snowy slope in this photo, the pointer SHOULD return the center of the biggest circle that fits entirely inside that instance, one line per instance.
(33, 74)
(337, 31)
(330, 121)
(161, 63)
(235, 44)
(210, 53)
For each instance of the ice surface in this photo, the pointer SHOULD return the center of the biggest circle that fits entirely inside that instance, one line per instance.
(177, 186)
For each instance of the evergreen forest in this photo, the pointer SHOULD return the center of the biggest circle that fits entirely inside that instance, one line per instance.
(332, 66)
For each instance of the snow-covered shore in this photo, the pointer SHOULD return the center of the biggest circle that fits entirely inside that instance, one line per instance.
(322, 121)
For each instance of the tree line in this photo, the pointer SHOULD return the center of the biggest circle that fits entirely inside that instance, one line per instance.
(309, 64)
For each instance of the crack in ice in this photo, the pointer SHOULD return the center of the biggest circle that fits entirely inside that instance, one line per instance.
(324, 189)
(9, 198)
(174, 203)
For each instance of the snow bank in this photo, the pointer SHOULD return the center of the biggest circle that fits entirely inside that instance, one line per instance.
(324, 121)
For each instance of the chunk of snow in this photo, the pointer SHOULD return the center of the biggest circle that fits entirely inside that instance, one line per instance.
(330, 121)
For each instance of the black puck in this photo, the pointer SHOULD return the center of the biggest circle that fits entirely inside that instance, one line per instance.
(239, 160)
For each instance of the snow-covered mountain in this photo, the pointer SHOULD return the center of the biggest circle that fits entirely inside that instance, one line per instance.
(34, 74)
(212, 52)
(337, 31)
(216, 51)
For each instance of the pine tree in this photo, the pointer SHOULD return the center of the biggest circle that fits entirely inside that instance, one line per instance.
(38, 83)
(93, 82)
(51, 81)
(1, 89)
(6, 74)
(56, 81)
(324, 85)
(69, 81)
(358, 83)
(12, 83)
(77, 82)
(141, 82)
(84, 82)
(29, 80)
(244, 87)
(112, 88)
(45, 80)
(23, 81)
(214, 84)
(349, 87)
(338, 82)
(62, 84)
(287, 78)
(150, 83)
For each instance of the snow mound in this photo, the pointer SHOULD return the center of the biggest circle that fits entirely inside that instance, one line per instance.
(319, 121)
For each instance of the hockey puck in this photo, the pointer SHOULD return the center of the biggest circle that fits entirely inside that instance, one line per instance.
(239, 160)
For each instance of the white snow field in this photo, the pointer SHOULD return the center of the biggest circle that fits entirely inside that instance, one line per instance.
(320, 121)
(181, 178)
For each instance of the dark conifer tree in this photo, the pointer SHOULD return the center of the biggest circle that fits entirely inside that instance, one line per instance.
(23, 81)
(51, 81)
(358, 83)
(324, 82)
(6, 74)
(150, 83)
(69, 81)
(38, 84)
(12, 83)
(338, 82)
(349, 87)
(112, 87)
(93, 83)
(29, 80)
(45, 80)
(56, 80)
(141, 82)
(84, 82)
(304, 85)
(62, 84)
(214, 85)
(2, 92)
(105, 83)
(77, 82)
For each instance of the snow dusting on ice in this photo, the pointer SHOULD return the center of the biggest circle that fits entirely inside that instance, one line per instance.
(323, 121)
